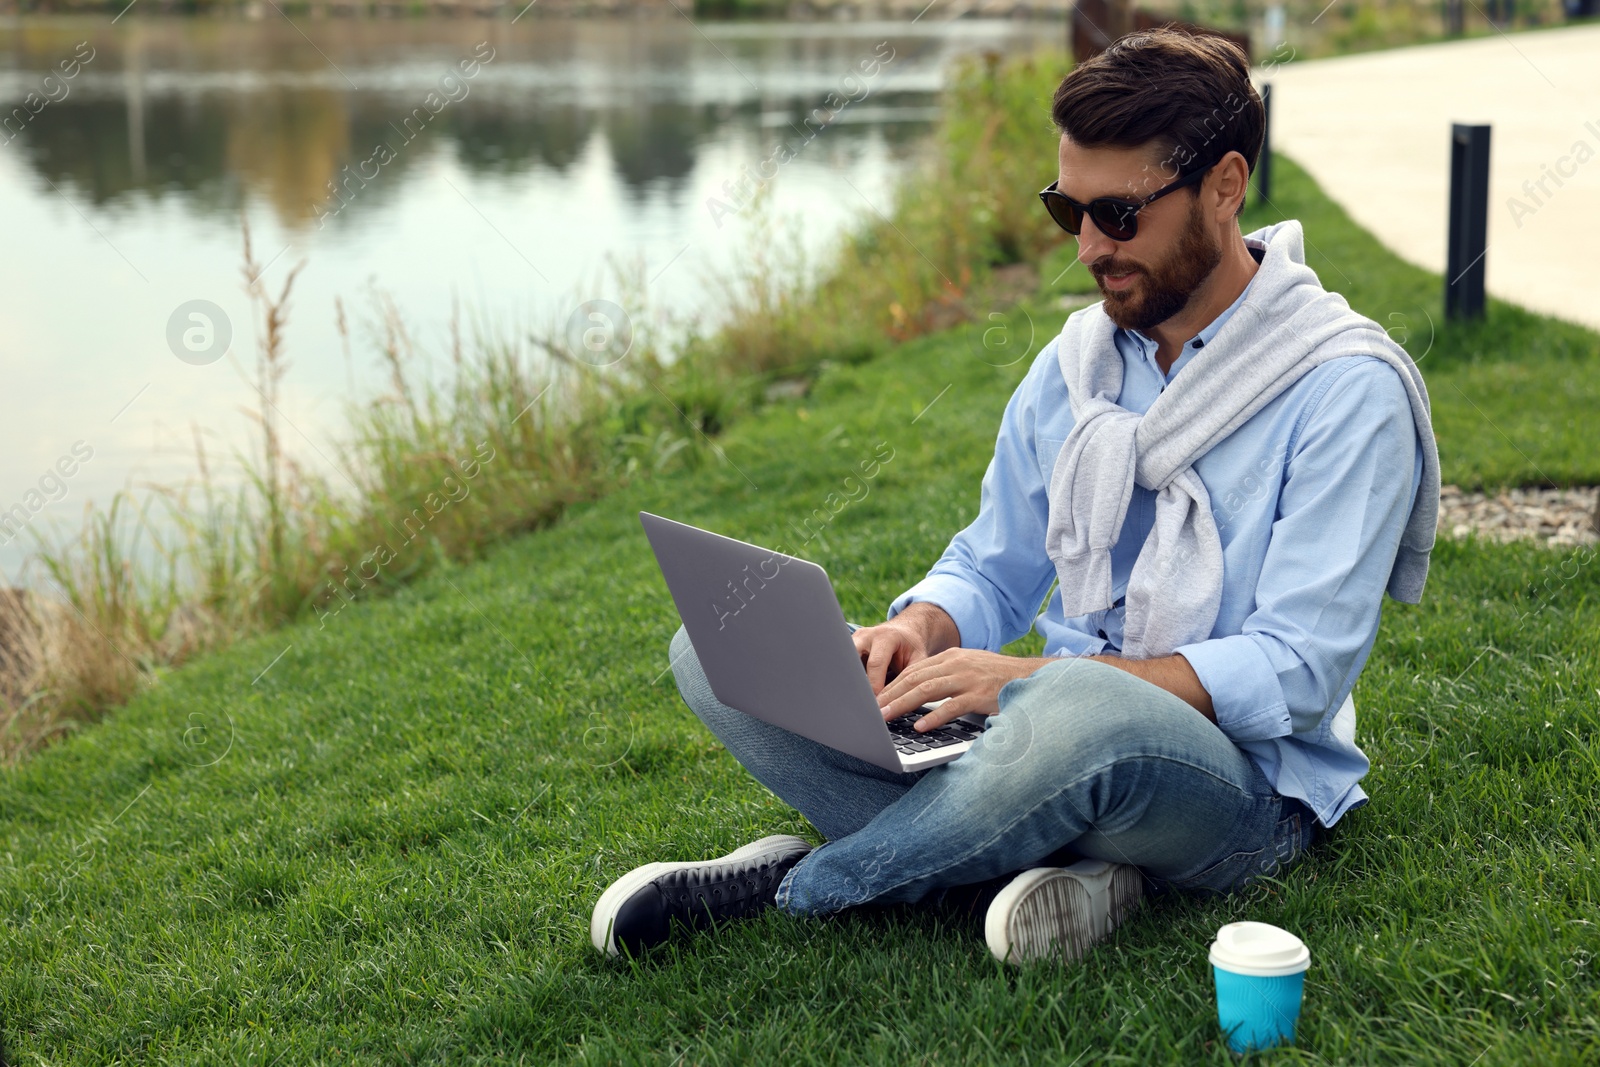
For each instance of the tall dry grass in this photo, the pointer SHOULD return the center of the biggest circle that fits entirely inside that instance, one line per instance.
(928, 263)
(519, 429)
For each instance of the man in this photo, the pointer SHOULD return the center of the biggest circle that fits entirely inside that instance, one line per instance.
(1224, 468)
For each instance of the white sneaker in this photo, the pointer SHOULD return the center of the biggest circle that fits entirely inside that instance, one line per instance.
(1061, 911)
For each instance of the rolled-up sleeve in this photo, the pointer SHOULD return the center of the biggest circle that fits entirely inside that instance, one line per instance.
(1348, 490)
(994, 574)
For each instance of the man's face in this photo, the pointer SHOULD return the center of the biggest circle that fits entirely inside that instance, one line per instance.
(1149, 279)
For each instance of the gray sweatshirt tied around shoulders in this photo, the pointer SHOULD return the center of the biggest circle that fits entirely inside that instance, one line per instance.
(1287, 326)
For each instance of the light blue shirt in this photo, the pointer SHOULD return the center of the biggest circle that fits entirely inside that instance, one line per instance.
(1310, 496)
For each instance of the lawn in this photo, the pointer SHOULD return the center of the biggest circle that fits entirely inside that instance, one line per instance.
(378, 839)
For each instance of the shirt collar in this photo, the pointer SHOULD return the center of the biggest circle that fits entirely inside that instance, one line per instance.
(1148, 346)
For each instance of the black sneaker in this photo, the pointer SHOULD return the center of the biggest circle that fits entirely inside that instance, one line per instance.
(638, 909)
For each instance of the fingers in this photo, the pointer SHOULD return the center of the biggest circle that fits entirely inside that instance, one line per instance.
(924, 684)
(862, 639)
(879, 656)
(943, 712)
(882, 649)
(952, 684)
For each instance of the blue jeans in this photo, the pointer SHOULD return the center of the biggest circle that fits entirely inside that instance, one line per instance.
(1083, 761)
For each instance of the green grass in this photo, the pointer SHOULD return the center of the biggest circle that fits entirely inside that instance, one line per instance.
(378, 840)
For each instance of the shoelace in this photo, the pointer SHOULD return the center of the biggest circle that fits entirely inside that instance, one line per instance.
(727, 891)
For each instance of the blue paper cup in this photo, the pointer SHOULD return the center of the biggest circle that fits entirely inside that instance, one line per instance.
(1260, 971)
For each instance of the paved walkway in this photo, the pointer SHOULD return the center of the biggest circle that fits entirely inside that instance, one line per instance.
(1374, 130)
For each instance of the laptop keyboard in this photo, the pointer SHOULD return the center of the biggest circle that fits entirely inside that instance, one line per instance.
(908, 742)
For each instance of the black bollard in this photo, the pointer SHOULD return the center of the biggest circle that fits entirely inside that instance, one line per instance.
(1264, 164)
(1469, 221)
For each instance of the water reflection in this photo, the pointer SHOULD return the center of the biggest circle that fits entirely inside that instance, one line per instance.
(210, 111)
(505, 189)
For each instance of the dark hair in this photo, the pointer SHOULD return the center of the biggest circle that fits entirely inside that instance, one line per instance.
(1188, 95)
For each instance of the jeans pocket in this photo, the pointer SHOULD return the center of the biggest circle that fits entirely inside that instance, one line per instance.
(1236, 871)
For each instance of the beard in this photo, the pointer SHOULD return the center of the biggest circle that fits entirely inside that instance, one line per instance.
(1164, 289)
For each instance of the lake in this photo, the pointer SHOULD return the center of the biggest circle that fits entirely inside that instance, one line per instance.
(475, 171)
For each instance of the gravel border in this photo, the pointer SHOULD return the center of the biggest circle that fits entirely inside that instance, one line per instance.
(1558, 517)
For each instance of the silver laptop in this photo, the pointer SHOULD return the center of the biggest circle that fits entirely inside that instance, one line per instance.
(774, 644)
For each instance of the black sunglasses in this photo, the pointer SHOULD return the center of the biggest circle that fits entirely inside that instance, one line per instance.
(1116, 218)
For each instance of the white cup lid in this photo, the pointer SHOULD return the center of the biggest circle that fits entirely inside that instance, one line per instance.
(1260, 950)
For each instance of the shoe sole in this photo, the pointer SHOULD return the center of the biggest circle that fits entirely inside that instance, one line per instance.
(605, 909)
(1060, 911)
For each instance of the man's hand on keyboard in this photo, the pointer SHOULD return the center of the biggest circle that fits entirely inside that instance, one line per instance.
(966, 679)
(913, 635)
